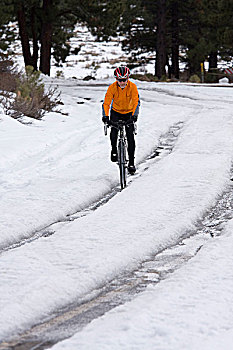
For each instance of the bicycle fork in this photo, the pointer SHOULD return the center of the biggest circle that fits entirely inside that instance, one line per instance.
(122, 162)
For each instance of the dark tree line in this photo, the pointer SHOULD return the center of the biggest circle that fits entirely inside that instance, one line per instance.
(45, 26)
(191, 31)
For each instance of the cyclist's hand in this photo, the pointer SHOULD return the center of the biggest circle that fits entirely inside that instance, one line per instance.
(134, 118)
(105, 119)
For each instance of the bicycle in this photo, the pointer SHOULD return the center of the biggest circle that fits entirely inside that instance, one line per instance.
(121, 148)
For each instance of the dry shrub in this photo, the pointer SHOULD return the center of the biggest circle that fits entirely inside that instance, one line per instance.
(144, 77)
(30, 98)
(194, 79)
(35, 106)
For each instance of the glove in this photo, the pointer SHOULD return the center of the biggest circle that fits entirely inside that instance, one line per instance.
(105, 119)
(134, 118)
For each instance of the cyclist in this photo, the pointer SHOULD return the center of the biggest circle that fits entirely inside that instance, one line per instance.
(122, 101)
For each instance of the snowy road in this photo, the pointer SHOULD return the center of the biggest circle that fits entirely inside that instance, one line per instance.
(58, 167)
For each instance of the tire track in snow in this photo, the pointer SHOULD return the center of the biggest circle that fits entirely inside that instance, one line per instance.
(125, 287)
(165, 146)
(72, 318)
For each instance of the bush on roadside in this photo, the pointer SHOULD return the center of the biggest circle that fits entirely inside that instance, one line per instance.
(30, 98)
(163, 78)
(213, 76)
(194, 79)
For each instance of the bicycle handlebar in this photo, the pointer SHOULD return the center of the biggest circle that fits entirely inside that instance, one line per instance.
(117, 125)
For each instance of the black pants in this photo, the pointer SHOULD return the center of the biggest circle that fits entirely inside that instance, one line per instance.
(115, 117)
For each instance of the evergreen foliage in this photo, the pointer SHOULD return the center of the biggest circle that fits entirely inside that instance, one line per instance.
(195, 79)
(7, 36)
(194, 31)
(31, 98)
(49, 24)
(138, 24)
(190, 30)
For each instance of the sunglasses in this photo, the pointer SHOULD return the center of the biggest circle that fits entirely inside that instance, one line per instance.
(122, 80)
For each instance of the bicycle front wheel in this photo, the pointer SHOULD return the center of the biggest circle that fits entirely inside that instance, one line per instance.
(122, 163)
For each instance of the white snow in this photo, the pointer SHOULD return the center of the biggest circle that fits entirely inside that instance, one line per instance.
(224, 81)
(57, 166)
(192, 309)
(97, 59)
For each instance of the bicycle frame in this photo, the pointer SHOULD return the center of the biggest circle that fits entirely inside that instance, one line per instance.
(122, 144)
(122, 161)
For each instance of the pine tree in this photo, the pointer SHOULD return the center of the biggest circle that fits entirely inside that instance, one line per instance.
(201, 29)
(207, 32)
(50, 23)
(7, 36)
(175, 40)
(161, 49)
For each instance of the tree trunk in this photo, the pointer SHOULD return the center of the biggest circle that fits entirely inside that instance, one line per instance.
(161, 37)
(175, 40)
(213, 60)
(29, 59)
(24, 35)
(46, 38)
(34, 39)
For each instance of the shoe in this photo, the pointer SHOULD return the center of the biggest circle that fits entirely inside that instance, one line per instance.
(131, 169)
(113, 157)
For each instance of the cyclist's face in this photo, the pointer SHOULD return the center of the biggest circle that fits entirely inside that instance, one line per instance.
(122, 83)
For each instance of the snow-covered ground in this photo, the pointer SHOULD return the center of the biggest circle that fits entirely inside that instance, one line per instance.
(56, 166)
(192, 309)
(60, 165)
(97, 59)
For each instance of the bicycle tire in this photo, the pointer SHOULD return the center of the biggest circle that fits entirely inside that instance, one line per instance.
(122, 163)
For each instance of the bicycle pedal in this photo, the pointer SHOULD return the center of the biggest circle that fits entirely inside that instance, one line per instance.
(118, 189)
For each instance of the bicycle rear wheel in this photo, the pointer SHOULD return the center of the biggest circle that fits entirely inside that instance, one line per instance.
(122, 163)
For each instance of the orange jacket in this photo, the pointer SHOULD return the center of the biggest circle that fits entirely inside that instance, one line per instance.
(121, 100)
